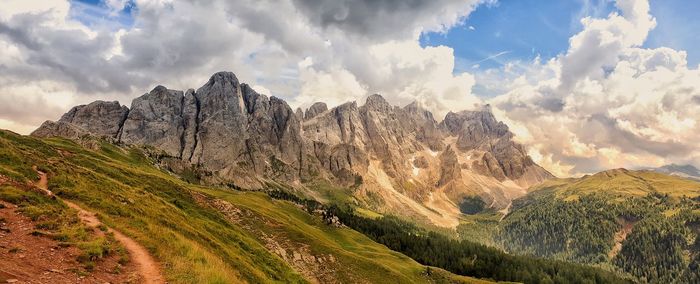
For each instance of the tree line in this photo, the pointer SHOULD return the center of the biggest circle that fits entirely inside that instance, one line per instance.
(460, 257)
(658, 234)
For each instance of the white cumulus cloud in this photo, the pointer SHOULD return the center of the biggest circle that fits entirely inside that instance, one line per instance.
(606, 102)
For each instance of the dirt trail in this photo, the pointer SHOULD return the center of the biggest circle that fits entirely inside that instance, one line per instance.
(26, 257)
(147, 266)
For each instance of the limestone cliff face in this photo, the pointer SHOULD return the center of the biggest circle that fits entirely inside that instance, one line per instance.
(222, 124)
(156, 119)
(479, 130)
(396, 158)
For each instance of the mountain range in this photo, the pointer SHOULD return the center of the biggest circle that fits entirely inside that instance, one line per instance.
(686, 171)
(391, 159)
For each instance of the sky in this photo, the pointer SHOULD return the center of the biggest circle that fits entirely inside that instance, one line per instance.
(585, 85)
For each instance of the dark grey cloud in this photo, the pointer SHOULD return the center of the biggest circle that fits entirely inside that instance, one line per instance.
(64, 55)
(696, 99)
(551, 104)
(280, 22)
(378, 19)
(167, 44)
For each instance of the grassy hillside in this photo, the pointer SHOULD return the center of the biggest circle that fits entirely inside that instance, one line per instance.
(640, 223)
(623, 183)
(202, 234)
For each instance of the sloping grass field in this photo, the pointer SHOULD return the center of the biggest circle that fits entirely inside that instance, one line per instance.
(196, 243)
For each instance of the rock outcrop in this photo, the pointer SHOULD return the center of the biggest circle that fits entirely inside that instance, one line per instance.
(99, 118)
(450, 169)
(401, 155)
(315, 109)
(479, 130)
(156, 119)
(59, 129)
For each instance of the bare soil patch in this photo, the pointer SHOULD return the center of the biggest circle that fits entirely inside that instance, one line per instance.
(29, 257)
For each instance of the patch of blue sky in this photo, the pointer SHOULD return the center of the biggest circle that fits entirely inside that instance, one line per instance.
(677, 25)
(495, 34)
(95, 13)
(515, 30)
(524, 29)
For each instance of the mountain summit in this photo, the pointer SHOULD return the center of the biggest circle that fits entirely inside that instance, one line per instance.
(393, 159)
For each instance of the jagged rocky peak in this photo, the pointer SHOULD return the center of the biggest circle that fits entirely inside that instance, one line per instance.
(418, 111)
(475, 128)
(501, 158)
(224, 127)
(222, 80)
(156, 119)
(315, 109)
(190, 120)
(221, 95)
(99, 118)
(483, 119)
(341, 124)
(424, 124)
(378, 103)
